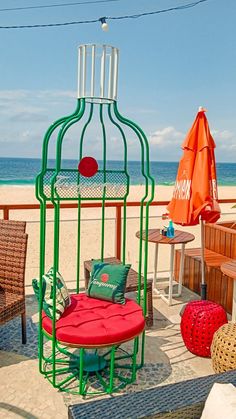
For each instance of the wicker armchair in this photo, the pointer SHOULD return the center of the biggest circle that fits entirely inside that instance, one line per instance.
(13, 246)
(13, 226)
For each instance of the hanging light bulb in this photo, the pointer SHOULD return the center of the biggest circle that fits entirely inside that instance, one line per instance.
(104, 24)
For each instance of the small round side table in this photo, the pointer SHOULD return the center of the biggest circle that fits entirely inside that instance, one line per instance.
(181, 237)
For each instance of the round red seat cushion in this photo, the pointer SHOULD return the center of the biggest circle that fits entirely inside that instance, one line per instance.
(199, 322)
(92, 322)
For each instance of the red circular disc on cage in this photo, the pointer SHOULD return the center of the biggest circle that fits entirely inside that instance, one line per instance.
(88, 166)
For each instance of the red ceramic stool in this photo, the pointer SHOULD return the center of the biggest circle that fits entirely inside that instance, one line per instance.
(200, 320)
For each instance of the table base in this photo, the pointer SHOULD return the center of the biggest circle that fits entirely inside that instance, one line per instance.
(168, 297)
(164, 296)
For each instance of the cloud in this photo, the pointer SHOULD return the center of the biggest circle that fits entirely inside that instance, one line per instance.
(16, 137)
(26, 135)
(25, 115)
(16, 101)
(29, 115)
(55, 93)
(225, 141)
(13, 94)
(166, 137)
(168, 141)
(27, 94)
(222, 135)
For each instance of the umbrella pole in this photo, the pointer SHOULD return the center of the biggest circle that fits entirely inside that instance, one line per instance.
(203, 284)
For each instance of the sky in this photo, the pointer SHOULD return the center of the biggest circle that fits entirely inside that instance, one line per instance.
(170, 64)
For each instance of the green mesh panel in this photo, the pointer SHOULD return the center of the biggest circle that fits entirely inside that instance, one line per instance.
(68, 184)
(46, 183)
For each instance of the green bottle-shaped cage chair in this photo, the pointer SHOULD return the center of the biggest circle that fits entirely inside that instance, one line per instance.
(102, 367)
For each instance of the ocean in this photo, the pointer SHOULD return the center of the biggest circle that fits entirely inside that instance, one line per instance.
(20, 171)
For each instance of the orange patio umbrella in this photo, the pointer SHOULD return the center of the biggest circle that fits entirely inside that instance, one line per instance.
(195, 197)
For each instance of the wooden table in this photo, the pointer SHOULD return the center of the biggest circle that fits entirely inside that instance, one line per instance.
(181, 237)
(229, 269)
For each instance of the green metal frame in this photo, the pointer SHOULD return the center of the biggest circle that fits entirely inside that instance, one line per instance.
(115, 368)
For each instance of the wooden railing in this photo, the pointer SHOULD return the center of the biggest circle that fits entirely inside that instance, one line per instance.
(6, 208)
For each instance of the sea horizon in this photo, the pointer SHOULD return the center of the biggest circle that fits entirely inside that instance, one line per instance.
(20, 171)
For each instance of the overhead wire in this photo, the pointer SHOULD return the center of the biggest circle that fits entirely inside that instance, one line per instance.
(89, 21)
(44, 6)
(170, 9)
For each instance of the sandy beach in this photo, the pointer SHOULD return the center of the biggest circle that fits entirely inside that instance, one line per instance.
(91, 227)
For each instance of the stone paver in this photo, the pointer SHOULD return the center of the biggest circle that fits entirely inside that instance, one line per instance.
(24, 392)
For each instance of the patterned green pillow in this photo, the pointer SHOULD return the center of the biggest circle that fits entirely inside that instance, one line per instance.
(62, 294)
(108, 282)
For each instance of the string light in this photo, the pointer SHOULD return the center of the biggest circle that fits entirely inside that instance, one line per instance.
(135, 16)
(104, 24)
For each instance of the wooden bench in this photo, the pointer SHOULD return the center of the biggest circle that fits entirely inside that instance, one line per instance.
(220, 247)
(132, 285)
